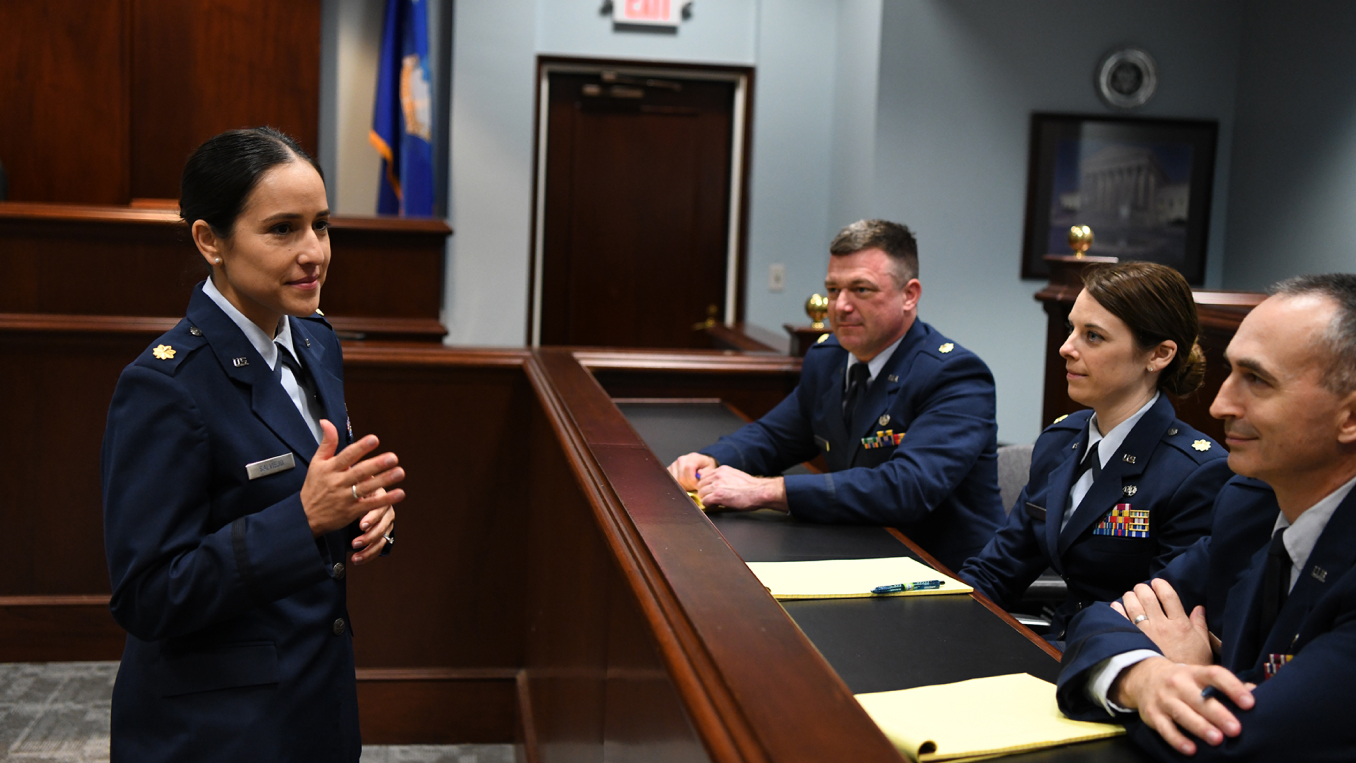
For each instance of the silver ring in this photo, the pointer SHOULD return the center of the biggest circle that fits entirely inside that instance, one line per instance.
(390, 538)
(1141, 619)
(354, 488)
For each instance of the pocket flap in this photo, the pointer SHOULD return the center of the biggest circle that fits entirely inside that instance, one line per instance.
(224, 667)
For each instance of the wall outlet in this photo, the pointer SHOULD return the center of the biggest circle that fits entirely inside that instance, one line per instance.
(776, 277)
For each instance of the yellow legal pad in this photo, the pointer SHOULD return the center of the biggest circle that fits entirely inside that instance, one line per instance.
(981, 718)
(849, 578)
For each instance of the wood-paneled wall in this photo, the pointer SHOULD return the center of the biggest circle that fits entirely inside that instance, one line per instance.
(385, 281)
(104, 99)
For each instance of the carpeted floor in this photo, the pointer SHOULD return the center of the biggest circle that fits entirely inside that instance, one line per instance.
(58, 713)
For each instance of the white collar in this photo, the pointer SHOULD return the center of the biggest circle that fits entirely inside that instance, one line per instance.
(1303, 535)
(1117, 435)
(261, 341)
(874, 365)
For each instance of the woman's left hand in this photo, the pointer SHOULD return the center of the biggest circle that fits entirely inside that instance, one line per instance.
(375, 525)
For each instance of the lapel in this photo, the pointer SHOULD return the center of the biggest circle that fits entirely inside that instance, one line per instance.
(1057, 497)
(1333, 557)
(267, 399)
(831, 409)
(329, 386)
(1109, 488)
(881, 394)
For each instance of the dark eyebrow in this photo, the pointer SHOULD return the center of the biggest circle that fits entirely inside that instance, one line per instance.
(1252, 366)
(279, 217)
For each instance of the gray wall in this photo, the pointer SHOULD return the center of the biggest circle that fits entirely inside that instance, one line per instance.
(1292, 206)
(789, 192)
(958, 81)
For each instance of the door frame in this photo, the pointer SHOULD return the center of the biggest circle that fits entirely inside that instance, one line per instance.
(736, 234)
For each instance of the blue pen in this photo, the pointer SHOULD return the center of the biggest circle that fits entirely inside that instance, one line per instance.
(922, 585)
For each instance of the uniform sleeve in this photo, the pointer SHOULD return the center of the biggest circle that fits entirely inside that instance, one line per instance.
(772, 444)
(1010, 561)
(171, 573)
(954, 424)
(1100, 632)
(1298, 713)
(1190, 511)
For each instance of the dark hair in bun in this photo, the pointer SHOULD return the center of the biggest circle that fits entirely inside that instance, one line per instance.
(1156, 303)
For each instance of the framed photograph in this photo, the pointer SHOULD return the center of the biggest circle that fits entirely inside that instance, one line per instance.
(1142, 185)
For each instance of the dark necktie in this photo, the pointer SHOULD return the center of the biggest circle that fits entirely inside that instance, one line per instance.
(1275, 584)
(859, 376)
(304, 380)
(1092, 462)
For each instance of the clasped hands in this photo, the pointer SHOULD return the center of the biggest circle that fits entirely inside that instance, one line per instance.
(342, 487)
(1167, 690)
(727, 486)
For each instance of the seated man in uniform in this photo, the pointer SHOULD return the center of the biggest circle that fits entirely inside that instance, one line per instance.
(1247, 643)
(903, 416)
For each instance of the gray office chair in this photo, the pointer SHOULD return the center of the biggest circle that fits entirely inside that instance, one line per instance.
(1014, 466)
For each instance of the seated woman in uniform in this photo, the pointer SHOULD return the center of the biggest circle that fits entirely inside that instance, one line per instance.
(1118, 491)
(232, 503)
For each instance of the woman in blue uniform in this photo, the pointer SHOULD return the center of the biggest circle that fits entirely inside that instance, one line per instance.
(232, 503)
(1118, 491)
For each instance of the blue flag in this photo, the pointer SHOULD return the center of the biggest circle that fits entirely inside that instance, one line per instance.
(402, 122)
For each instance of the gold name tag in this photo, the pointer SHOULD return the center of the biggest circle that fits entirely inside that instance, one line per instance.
(270, 465)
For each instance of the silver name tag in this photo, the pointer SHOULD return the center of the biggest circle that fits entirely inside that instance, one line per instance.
(270, 465)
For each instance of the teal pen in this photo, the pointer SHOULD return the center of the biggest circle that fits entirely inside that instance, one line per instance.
(922, 585)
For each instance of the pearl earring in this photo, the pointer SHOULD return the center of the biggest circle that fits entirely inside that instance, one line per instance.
(218, 260)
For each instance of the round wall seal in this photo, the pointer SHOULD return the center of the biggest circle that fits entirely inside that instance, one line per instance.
(1126, 79)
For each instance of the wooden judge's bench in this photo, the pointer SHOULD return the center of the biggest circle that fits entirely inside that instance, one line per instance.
(552, 587)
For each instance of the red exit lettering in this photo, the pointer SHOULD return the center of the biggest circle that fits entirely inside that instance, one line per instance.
(647, 10)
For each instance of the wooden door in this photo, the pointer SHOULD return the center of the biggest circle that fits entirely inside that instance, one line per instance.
(637, 206)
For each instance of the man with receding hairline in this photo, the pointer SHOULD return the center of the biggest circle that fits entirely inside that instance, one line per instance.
(1246, 646)
(903, 416)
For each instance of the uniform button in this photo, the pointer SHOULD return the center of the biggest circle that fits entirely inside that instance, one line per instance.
(339, 626)
(338, 570)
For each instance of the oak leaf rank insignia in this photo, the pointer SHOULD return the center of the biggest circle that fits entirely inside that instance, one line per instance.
(163, 352)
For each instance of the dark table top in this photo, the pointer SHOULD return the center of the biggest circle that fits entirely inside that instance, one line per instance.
(873, 644)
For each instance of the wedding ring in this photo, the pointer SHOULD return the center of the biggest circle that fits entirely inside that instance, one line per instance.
(1141, 619)
(354, 488)
(390, 538)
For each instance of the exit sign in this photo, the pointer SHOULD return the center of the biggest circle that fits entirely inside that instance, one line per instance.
(656, 12)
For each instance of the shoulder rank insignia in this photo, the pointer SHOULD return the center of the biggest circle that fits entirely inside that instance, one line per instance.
(1201, 445)
(883, 439)
(1059, 419)
(320, 312)
(821, 338)
(1124, 522)
(948, 347)
(163, 352)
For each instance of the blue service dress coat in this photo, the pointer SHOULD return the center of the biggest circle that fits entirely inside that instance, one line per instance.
(1163, 467)
(921, 452)
(238, 643)
(1302, 712)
